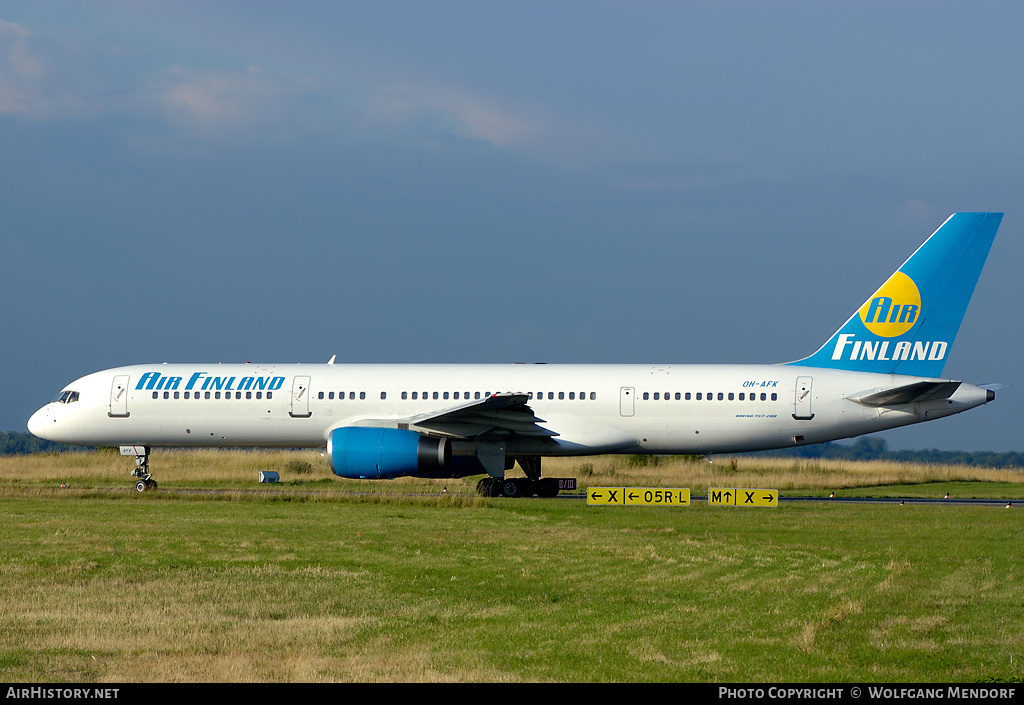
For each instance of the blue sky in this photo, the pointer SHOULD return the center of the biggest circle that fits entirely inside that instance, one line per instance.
(497, 182)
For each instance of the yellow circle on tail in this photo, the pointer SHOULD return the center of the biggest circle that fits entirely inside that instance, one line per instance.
(894, 308)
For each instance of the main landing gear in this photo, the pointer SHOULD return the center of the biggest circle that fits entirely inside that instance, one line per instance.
(527, 486)
(517, 487)
(141, 471)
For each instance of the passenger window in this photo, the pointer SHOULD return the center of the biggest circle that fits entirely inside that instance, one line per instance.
(383, 395)
(156, 395)
(593, 396)
(687, 396)
(721, 396)
(763, 396)
(775, 397)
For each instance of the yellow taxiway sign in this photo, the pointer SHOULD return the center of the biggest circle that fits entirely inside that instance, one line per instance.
(740, 497)
(648, 496)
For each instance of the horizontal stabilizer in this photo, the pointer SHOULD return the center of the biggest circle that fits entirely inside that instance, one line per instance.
(909, 394)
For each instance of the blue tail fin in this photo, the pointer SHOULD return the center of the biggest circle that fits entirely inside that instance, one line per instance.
(907, 327)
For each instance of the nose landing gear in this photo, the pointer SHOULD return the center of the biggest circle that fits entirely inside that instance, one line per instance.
(141, 471)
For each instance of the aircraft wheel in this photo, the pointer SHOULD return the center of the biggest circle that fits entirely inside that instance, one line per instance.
(141, 486)
(511, 488)
(489, 487)
(152, 484)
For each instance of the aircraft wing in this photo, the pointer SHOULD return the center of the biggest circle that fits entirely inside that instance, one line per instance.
(910, 394)
(497, 416)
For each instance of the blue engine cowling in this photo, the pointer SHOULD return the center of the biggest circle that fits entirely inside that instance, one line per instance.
(356, 452)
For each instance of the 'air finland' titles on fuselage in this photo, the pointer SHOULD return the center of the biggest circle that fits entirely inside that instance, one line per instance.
(155, 380)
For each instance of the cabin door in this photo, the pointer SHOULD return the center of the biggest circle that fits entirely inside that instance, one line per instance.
(300, 397)
(802, 405)
(119, 396)
(626, 395)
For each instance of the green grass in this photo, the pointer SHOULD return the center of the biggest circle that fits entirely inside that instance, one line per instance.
(113, 586)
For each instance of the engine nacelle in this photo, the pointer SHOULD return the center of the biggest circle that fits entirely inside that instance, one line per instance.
(363, 453)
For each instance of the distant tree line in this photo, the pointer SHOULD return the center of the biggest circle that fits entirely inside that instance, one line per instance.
(868, 448)
(14, 443)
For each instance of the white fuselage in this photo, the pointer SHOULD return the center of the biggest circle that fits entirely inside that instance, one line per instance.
(592, 409)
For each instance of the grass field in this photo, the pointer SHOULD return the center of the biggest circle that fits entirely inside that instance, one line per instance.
(311, 583)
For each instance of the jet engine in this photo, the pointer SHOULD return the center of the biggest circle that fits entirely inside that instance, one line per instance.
(357, 453)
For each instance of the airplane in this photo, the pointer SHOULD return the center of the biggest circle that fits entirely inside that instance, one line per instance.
(881, 369)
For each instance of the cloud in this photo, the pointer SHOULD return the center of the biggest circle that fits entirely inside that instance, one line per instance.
(21, 73)
(45, 81)
(448, 112)
(208, 103)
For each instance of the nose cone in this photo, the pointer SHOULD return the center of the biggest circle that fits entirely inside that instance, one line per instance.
(37, 423)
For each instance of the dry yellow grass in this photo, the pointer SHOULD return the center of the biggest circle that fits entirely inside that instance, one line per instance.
(241, 468)
(181, 466)
(777, 473)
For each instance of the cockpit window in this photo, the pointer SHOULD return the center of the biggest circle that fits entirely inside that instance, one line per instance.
(66, 397)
